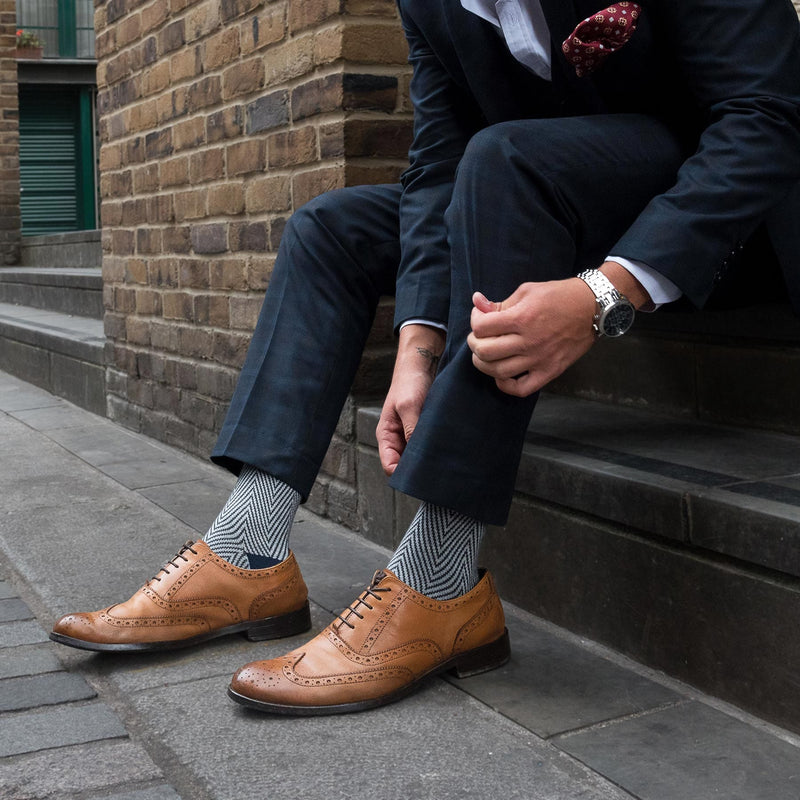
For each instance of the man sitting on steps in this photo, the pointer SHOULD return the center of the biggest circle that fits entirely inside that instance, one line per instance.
(569, 165)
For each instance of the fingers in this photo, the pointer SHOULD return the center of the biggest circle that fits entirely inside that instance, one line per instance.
(484, 305)
(488, 318)
(398, 420)
(495, 348)
(391, 441)
(502, 370)
(522, 386)
(389, 451)
(390, 458)
(491, 323)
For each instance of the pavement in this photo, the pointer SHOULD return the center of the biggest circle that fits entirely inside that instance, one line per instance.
(90, 511)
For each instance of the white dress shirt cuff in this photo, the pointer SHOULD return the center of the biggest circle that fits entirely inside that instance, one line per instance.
(661, 290)
(420, 321)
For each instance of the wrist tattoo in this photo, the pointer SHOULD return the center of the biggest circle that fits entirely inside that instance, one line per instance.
(430, 356)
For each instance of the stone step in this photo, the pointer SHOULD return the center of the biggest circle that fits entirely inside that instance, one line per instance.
(61, 353)
(66, 290)
(730, 367)
(77, 249)
(674, 541)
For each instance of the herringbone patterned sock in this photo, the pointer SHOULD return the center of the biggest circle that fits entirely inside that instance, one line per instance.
(438, 555)
(252, 530)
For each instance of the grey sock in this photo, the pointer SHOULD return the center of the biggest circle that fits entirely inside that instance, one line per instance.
(252, 530)
(438, 555)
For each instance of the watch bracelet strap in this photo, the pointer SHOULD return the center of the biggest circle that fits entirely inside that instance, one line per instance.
(602, 288)
(600, 285)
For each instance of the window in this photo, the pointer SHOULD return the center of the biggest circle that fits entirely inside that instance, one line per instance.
(65, 26)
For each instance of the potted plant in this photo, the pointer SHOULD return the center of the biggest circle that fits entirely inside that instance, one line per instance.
(29, 45)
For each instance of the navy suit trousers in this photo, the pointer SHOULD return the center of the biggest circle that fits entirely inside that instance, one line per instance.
(532, 200)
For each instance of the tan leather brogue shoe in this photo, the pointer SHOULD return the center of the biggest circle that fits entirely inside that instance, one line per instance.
(379, 650)
(196, 596)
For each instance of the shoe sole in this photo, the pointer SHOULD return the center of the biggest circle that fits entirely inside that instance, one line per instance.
(474, 662)
(259, 630)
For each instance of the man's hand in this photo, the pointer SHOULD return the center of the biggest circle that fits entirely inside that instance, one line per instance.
(532, 336)
(418, 352)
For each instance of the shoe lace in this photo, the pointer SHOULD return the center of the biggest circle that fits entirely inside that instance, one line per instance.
(187, 547)
(374, 591)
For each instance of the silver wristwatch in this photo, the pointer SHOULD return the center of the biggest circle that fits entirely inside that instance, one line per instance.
(614, 313)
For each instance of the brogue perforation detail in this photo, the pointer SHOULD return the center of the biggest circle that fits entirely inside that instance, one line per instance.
(474, 623)
(422, 645)
(385, 673)
(185, 577)
(152, 622)
(383, 620)
(234, 570)
(439, 605)
(252, 574)
(185, 605)
(284, 588)
(237, 572)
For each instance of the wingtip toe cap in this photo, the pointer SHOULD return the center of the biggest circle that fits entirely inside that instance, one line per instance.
(256, 679)
(75, 625)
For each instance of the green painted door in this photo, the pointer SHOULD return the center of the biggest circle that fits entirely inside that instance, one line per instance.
(56, 153)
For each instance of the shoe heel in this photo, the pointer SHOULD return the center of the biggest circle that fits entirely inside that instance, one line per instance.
(483, 659)
(284, 625)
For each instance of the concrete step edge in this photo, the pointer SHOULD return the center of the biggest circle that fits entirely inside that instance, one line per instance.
(78, 337)
(66, 277)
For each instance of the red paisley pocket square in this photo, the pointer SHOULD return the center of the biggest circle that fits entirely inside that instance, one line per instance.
(598, 36)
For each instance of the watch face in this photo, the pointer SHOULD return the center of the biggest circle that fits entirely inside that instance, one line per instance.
(617, 319)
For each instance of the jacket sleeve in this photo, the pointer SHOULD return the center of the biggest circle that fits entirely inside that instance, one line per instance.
(441, 133)
(741, 61)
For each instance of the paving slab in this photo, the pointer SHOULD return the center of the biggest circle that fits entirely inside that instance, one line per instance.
(28, 732)
(196, 502)
(690, 751)
(52, 478)
(13, 609)
(52, 418)
(28, 660)
(13, 634)
(17, 395)
(98, 442)
(114, 765)
(52, 688)
(147, 472)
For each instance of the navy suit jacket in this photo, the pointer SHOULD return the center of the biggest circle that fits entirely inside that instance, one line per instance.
(724, 74)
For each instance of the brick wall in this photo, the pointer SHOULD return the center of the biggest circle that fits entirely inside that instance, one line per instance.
(9, 138)
(217, 119)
